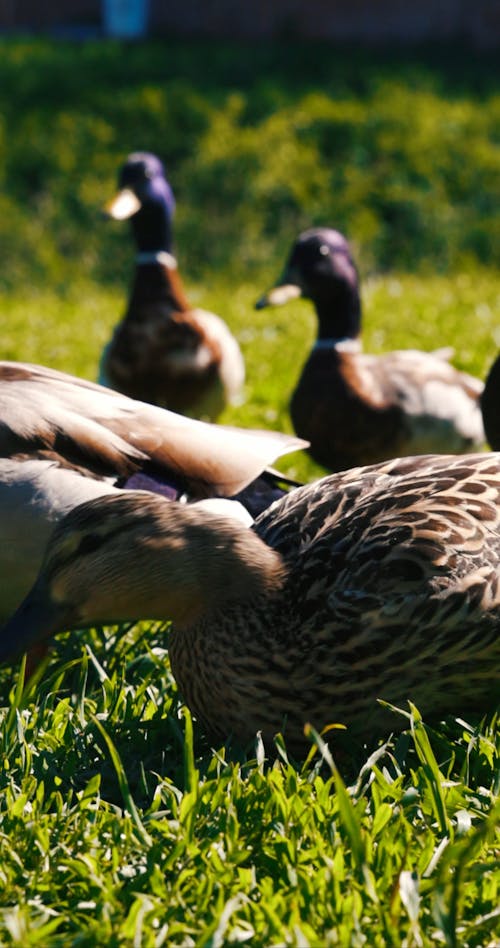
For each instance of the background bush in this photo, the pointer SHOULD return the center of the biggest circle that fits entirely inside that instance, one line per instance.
(401, 153)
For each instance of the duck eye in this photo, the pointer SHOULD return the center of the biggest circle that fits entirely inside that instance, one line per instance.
(324, 249)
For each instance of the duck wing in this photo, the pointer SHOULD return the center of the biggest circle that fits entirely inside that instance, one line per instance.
(92, 426)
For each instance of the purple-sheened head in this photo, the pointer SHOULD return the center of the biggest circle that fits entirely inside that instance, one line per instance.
(145, 196)
(320, 267)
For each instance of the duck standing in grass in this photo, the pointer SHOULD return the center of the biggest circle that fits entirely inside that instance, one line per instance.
(64, 440)
(381, 582)
(164, 351)
(356, 408)
(490, 405)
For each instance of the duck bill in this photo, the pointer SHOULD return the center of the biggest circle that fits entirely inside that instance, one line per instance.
(36, 620)
(124, 205)
(278, 295)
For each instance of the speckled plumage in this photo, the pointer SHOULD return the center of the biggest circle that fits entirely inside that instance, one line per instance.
(164, 351)
(382, 582)
(357, 408)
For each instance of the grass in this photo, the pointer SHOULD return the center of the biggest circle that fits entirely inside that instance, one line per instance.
(118, 828)
(119, 825)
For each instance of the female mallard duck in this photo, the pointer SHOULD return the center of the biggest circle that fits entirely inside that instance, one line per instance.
(381, 582)
(64, 440)
(360, 409)
(164, 351)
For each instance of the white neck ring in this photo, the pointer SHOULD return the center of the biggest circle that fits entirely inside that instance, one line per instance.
(343, 344)
(157, 256)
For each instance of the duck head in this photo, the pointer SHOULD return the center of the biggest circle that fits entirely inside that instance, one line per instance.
(141, 556)
(145, 196)
(320, 268)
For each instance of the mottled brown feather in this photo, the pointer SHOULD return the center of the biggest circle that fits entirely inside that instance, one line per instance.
(392, 592)
(378, 583)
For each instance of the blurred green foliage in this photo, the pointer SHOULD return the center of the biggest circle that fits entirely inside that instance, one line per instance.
(401, 152)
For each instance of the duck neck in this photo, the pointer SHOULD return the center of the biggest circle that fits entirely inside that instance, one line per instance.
(157, 280)
(237, 573)
(206, 564)
(152, 227)
(338, 314)
(489, 406)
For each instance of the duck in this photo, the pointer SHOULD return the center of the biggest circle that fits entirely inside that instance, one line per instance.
(64, 440)
(358, 408)
(380, 582)
(164, 351)
(490, 402)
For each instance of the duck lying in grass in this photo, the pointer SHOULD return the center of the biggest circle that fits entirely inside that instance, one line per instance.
(64, 440)
(381, 582)
(164, 351)
(357, 408)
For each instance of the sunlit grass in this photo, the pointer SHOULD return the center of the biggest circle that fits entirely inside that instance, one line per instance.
(118, 829)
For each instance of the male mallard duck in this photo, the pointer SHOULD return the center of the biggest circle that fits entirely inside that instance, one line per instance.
(360, 409)
(164, 351)
(64, 440)
(490, 405)
(381, 582)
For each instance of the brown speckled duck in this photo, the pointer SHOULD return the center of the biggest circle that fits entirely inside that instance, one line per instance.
(380, 582)
(164, 351)
(64, 440)
(356, 408)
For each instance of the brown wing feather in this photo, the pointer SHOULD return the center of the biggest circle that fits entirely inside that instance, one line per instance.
(42, 409)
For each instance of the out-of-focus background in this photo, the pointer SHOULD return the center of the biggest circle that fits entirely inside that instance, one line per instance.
(270, 118)
(384, 123)
(335, 20)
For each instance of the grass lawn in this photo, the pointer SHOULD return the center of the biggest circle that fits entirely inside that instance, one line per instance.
(119, 825)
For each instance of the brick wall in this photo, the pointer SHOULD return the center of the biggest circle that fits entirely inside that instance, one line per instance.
(46, 14)
(368, 21)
